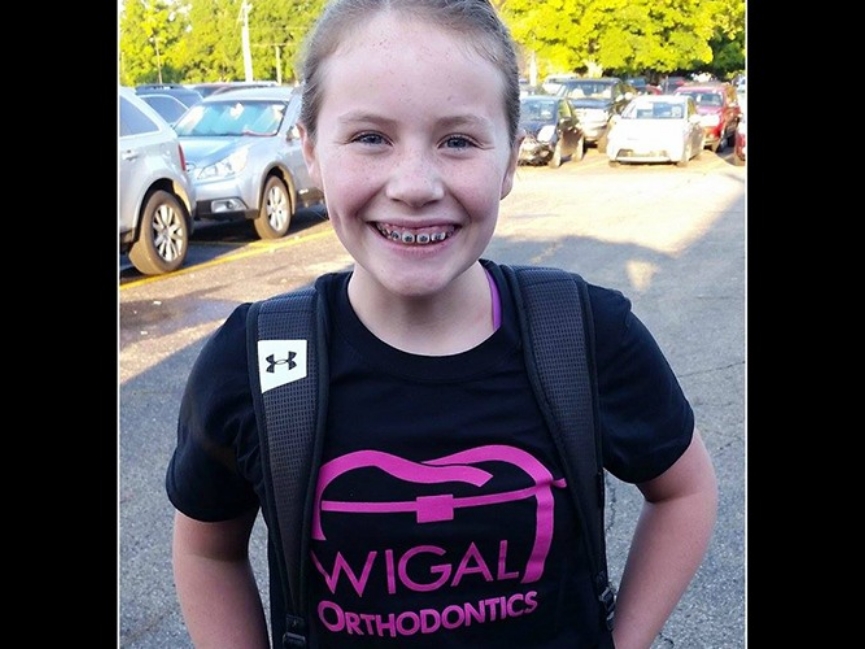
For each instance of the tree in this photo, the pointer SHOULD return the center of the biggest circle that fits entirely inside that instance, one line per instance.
(214, 52)
(276, 32)
(728, 41)
(622, 37)
(200, 40)
(150, 37)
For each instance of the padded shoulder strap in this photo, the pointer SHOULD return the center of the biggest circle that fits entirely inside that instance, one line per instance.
(286, 343)
(556, 322)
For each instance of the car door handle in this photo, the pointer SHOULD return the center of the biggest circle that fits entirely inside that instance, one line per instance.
(129, 155)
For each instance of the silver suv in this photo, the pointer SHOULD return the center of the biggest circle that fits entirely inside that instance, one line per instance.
(157, 199)
(243, 155)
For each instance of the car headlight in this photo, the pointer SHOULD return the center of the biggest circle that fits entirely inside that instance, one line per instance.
(546, 133)
(229, 166)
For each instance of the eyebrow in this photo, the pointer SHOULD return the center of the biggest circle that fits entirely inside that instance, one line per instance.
(453, 121)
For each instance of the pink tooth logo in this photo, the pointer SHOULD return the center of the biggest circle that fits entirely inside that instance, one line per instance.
(441, 507)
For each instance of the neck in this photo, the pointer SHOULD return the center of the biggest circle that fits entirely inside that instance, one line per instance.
(449, 322)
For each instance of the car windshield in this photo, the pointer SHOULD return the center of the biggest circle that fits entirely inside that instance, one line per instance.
(232, 118)
(704, 98)
(538, 110)
(590, 89)
(653, 110)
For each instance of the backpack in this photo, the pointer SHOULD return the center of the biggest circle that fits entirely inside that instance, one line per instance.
(287, 348)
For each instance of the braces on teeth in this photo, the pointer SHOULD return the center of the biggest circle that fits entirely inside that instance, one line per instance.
(422, 238)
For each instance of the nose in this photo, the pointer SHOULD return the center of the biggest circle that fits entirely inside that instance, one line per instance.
(415, 178)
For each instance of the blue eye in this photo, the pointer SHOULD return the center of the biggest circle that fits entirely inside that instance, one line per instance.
(369, 138)
(458, 142)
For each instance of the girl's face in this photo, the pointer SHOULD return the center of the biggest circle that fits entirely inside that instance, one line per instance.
(412, 153)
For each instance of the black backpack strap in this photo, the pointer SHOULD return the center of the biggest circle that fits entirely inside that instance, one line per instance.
(558, 341)
(287, 349)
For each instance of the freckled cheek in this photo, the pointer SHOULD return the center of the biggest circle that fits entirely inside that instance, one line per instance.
(479, 193)
(348, 183)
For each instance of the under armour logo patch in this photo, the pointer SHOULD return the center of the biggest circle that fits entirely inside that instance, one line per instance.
(272, 362)
(280, 362)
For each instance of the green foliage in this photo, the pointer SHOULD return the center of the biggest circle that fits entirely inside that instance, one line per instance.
(201, 40)
(152, 36)
(277, 30)
(624, 37)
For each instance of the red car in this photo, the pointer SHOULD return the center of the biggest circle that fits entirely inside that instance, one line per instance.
(719, 111)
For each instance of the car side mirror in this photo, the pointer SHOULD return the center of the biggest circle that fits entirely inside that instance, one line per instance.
(292, 134)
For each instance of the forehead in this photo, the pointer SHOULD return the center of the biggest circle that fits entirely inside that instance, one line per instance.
(394, 40)
(403, 59)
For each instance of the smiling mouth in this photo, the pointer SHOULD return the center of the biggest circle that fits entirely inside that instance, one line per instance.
(410, 236)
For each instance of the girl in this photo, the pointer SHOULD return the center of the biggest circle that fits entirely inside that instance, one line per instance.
(409, 126)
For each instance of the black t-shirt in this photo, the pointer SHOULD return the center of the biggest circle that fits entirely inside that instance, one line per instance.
(441, 517)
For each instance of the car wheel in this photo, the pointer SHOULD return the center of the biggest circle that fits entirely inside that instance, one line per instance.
(556, 161)
(602, 143)
(686, 157)
(580, 151)
(163, 240)
(274, 215)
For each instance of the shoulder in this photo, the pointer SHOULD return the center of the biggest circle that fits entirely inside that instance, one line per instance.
(610, 309)
(226, 342)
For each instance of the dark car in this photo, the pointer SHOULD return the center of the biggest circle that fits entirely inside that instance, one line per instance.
(596, 100)
(552, 131)
(183, 93)
(171, 108)
(719, 111)
(642, 86)
(213, 87)
(669, 85)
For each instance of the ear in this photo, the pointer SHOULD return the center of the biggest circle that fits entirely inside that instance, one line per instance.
(307, 146)
(513, 159)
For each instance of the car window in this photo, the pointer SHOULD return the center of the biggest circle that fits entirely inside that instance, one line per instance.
(166, 105)
(537, 111)
(589, 89)
(133, 121)
(232, 118)
(668, 111)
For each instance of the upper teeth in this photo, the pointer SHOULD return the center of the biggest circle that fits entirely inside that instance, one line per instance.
(410, 237)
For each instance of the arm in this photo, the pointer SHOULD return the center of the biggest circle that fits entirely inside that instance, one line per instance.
(669, 543)
(215, 584)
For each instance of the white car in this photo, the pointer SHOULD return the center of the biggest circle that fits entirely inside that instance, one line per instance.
(157, 198)
(656, 128)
